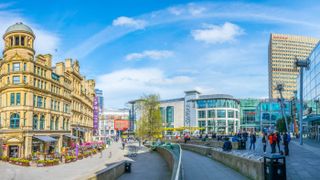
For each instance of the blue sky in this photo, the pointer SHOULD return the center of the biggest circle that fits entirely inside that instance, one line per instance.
(166, 47)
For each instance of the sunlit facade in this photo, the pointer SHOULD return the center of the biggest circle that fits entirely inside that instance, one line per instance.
(42, 108)
(218, 113)
(283, 51)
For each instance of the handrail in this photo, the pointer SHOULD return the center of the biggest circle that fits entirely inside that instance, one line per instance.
(179, 173)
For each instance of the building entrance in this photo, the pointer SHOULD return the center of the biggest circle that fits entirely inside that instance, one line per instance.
(13, 151)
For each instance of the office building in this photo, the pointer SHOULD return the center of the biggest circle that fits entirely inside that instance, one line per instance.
(283, 51)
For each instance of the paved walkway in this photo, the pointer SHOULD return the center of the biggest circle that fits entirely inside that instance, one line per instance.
(148, 165)
(302, 162)
(76, 170)
(200, 167)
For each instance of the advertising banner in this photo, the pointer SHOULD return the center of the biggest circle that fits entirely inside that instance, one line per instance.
(95, 116)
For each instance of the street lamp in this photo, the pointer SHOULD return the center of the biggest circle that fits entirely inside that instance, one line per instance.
(280, 89)
(302, 64)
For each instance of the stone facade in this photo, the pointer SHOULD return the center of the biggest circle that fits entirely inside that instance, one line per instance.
(38, 100)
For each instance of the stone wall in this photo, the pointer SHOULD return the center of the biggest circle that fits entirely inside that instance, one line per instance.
(110, 173)
(210, 143)
(250, 168)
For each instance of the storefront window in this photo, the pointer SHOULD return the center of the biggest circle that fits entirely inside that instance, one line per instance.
(15, 120)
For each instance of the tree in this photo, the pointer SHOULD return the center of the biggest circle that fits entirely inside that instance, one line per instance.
(149, 126)
(281, 124)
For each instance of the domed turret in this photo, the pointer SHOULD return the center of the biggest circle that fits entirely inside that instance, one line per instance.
(19, 38)
(19, 27)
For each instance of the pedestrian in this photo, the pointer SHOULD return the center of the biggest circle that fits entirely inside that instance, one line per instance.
(270, 138)
(123, 145)
(253, 139)
(264, 142)
(100, 150)
(200, 137)
(286, 141)
(227, 145)
(278, 140)
(274, 142)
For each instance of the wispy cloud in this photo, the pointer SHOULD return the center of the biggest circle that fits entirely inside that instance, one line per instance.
(149, 54)
(129, 22)
(130, 82)
(217, 34)
(194, 11)
(46, 41)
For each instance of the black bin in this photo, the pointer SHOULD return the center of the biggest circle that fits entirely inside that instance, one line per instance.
(127, 167)
(275, 167)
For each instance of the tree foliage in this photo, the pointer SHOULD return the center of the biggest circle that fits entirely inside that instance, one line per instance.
(281, 124)
(149, 126)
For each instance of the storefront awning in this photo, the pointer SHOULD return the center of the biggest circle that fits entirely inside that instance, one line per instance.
(80, 129)
(45, 138)
(71, 136)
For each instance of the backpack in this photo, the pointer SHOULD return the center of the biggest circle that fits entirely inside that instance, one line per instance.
(288, 138)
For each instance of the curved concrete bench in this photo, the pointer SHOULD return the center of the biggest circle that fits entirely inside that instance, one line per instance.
(112, 172)
(173, 161)
(251, 168)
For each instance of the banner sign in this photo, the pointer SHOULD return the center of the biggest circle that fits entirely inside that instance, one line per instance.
(95, 116)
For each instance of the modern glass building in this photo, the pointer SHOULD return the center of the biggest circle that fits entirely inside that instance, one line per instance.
(311, 95)
(219, 113)
(269, 111)
(248, 121)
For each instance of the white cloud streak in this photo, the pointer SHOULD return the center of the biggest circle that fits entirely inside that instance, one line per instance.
(149, 54)
(232, 11)
(121, 85)
(212, 34)
(129, 22)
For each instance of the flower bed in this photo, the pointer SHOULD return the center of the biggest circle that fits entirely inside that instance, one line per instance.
(19, 161)
(53, 162)
(69, 159)
(5, 158)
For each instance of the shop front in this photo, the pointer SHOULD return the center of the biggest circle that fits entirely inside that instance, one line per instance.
(12, 147)
(43, 146)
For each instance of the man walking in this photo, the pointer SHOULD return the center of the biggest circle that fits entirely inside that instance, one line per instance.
(286, 140)
(278, 140)
(253, 141)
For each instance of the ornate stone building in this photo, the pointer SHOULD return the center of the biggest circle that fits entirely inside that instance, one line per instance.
(42, 108)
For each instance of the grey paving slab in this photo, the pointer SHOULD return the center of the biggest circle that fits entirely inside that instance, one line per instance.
(76, 170)
(147, 166)
(200, 167)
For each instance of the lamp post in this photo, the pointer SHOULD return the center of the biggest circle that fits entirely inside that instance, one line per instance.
(280, 89)
(302, 64)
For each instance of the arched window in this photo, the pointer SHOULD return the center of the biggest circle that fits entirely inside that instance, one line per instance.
(15, 120)
(35, 122)
(51, 123)
(57, 124)
(42, 122)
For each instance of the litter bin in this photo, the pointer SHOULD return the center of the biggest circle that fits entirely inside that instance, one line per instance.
(275, 167)
(127, 167)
